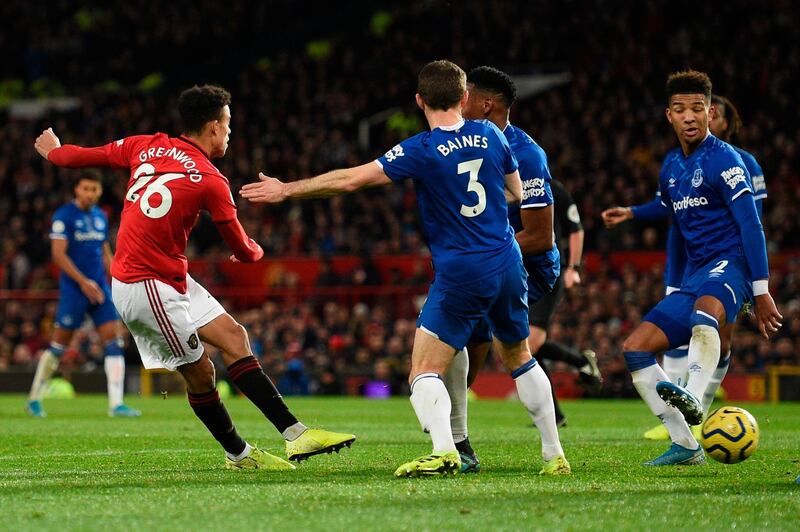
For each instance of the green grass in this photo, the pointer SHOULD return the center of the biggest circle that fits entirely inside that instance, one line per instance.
(80, 470)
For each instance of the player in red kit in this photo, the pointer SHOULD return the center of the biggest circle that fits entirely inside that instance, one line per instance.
(168, 313)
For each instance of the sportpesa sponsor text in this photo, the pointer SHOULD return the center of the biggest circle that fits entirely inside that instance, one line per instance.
(688, 202)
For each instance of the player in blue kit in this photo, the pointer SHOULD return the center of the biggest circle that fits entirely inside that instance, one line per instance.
(80, 248)
(710, 194)
(725, 124)
(464, 174)
(491, 95)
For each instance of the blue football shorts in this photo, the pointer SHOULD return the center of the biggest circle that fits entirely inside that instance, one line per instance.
(452, 312)
(73, 307)
(728, 280)
(542, 280)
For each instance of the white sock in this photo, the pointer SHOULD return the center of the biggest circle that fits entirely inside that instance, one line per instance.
(715, 382)
(675, 367)
(294, 432)
(455, 380)
(236, 457)
(432, 405)
(645, 380)
(115, 379)
(535, 392)
(703, 358)
(48, 364)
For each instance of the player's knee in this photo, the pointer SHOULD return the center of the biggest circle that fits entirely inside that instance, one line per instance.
(632, 343)
(537, 339)
(239, 334)
(515, 355)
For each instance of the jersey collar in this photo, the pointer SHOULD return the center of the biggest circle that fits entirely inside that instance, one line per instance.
(458, 125)
(188, 141)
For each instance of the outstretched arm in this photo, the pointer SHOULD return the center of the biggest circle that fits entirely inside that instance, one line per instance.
(69, 156)
(272, 190)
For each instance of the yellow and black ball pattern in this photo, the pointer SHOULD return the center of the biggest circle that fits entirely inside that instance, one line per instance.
(730, 434)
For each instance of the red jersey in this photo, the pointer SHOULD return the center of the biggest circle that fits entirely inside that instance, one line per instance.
(172, 180)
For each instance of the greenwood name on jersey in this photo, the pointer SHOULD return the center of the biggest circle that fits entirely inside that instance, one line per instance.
(171, 180)
(459, 177)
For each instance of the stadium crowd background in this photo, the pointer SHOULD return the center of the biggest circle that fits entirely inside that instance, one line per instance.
(301, 83)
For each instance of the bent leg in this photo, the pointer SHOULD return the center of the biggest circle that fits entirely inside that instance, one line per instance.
(204, 400)
(639, 349)
(535, 393)
(722, 367)
(707, 317)
(226, 334)
(430, 359)
(538, 344)
(47, 365)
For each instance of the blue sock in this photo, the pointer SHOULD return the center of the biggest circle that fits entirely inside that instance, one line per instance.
(57, 350)
(527, 366)
(637, 360)
(113, 348)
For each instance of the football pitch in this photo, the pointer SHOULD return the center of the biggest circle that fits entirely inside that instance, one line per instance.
(80, 470)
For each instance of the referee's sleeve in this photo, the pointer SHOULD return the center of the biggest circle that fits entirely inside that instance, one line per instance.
(565, 208)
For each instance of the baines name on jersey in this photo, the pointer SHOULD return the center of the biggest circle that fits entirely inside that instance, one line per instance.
(155, 153)
(464, 141)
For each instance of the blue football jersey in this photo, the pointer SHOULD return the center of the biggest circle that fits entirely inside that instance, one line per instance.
(700, 190)
(459, 177)
(756, 176)
(85, 232)
(536, 191)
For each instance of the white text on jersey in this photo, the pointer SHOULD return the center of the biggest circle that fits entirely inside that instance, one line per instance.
(688, 202)
(464, 141)
(175, 153)
(533, 188)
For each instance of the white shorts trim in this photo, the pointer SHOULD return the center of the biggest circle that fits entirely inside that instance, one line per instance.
(164, 322)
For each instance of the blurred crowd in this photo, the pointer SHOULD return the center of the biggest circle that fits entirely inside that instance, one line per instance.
(300, 85)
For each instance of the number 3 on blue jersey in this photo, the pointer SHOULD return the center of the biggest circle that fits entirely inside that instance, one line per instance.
(473, 167)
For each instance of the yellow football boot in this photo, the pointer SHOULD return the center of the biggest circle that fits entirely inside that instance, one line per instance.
(556, 466)
(258, 459)
(317, 441)
(434, 464)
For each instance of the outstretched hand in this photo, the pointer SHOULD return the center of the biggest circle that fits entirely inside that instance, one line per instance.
(616, 215)
(46, 142)
(268, 190)
(767, 316)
